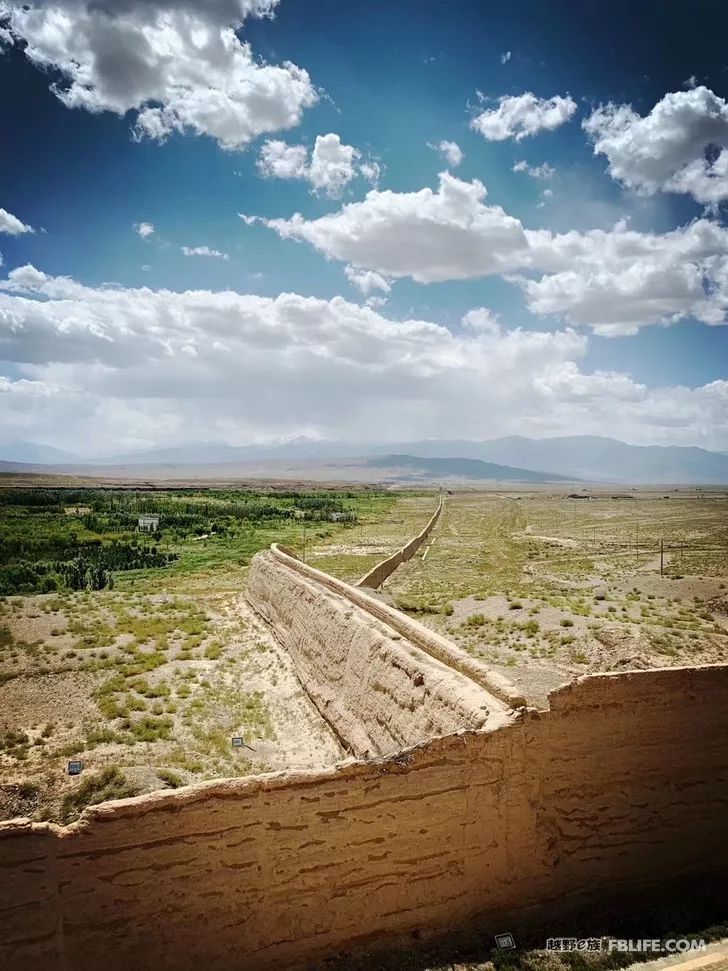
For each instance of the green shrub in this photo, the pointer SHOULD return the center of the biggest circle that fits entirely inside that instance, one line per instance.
(109, 783)
(170, 779)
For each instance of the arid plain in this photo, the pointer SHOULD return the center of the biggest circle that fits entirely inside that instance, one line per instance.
(147, 682)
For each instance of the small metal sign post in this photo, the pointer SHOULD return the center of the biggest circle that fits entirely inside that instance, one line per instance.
(75, 768)
(239, 742)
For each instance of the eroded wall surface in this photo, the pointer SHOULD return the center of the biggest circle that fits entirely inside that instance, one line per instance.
(290, 572)
(622, 784)
(375, 687)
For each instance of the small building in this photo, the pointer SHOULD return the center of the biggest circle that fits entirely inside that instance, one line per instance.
(150, 523)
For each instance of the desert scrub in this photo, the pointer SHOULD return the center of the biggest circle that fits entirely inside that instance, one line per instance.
(170, 779)
(109, 783)
(15, 744)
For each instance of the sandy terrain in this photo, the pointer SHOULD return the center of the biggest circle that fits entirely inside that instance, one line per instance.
(219, 674)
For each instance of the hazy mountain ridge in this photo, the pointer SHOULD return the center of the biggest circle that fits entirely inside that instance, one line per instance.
(584, 457)
(462, 468)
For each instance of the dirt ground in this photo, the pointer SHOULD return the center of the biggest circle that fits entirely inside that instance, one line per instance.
(154, 685)
(150, 684)
(546, 588)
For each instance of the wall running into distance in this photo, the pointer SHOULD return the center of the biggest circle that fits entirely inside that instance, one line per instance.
(481, 812)
(375, 686)
(621, 786)
(396, 622)
(379, 573)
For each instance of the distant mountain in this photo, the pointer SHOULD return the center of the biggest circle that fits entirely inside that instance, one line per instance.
(30, 453)
(217, 453)
(588, 457)
(461, 469)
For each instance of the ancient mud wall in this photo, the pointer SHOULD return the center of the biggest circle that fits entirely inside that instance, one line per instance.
(416, 634)
(375, 687)
(622, 785)
(379, 573)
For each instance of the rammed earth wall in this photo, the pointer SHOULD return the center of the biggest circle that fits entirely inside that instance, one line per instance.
(379, 573)
(622, 785)
(620, 788)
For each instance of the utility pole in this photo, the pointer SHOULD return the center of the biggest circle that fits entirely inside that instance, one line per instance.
(637, 542)
(304, 540)
(662, 557)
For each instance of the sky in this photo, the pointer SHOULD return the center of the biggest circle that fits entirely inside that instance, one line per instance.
(250, 220)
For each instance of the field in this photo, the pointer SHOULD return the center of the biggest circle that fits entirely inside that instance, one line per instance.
(147, 679)
(546, 588)
(143, 660)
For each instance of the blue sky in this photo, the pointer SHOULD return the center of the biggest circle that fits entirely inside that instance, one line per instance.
(605, 343)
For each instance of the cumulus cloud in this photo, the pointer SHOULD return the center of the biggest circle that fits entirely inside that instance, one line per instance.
(204, 251)
(543, 171)
(145, 230)
(621, 280)
(366, 280)
(481, 320)
(450, 152)
(430, 236)
(11, 225)
(179, 66)
(331, 167)
(505, 57)
(142, 367)
(522, 115)
(681, 146)
(616, 281)
(371, 170)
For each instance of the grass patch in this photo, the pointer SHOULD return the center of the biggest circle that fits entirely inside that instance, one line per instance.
(109, 783)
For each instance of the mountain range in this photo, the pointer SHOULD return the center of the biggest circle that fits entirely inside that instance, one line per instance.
(578, 457)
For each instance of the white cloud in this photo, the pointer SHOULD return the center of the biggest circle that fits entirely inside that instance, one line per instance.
(680, 146)
(204, 251)
(331, 168)
(505, 57)
(277, 160)
(614, 280)
(450, 152)
(145, 230)
(546, 195)
(366, 280)
(179, 66)
(333, 165)
(429, 236)
(543, 171)
(371, 171)
(481, 320)
(523, 115)
(140, 367)
(11, 225)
